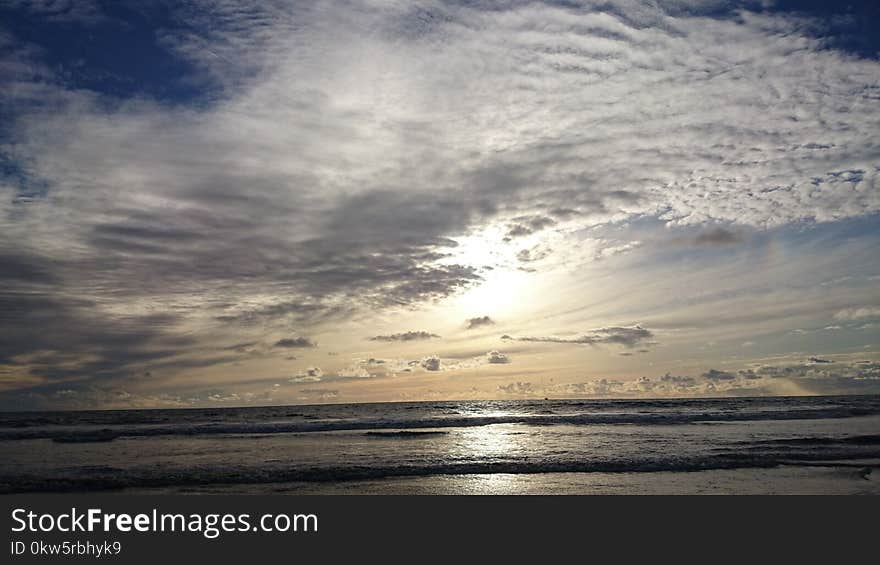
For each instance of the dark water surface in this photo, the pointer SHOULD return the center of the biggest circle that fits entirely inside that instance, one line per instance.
(792, 444)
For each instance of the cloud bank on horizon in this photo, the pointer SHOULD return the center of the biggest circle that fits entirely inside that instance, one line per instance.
(190, 192)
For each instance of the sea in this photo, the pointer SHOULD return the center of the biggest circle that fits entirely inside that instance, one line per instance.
(779, 445)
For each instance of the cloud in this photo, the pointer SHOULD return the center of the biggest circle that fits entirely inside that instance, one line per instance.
(718, 236)
(533, 254)
(354, 372)
(527, 225)
(289, 343)
(495, 357)
(607, 250)
(715, 375)
(107, 344)
(79, 395)
(858, 313)
(431, 363)
(142, 219)
(406, 336)
(310, 375)
(321, 393)
(248, 347)
(517, 389)
(617, 335)
(315, 374)
(850, 378)
(83, 12)
(478, 322)
(749, 374)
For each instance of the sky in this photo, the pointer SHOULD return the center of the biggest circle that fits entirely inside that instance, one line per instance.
(220, 203)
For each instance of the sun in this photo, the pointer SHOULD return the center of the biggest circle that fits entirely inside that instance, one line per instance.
(485, 248)
(504, 287)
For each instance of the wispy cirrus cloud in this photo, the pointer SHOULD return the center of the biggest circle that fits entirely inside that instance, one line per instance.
(406, 336)
(617, 335)
(858, 313)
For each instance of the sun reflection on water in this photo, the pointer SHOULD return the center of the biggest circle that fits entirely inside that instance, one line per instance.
(492, 443)
(489, 442)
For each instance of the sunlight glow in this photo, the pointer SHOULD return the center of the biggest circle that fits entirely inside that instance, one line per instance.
(505, 287)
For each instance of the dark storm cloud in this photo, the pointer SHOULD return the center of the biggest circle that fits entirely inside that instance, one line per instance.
(618, 335)
(405, 336)
(292, 342)
(479, 322)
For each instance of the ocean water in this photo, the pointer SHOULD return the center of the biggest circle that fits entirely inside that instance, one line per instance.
(741, 445)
